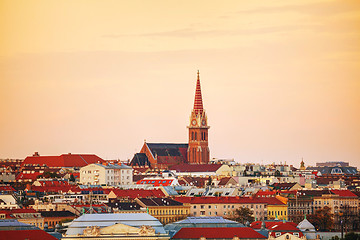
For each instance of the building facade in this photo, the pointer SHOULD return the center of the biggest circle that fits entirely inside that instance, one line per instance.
(106, 174)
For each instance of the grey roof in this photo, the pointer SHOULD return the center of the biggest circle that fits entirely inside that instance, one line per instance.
(13, 224)
(201, 222)
(108, 219)
(170, 190)
(114, 166)
(334, 170)
(305, 225)
(166, 149)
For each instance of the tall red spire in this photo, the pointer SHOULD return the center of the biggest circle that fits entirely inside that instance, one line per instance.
(198, 105)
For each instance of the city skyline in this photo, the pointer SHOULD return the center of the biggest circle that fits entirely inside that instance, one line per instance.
(280, 81)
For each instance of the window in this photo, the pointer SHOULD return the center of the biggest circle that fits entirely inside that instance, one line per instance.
(195, 207)
(209, 206)
(202, 212)
(277, 234)
(202, 206)
(296, 234)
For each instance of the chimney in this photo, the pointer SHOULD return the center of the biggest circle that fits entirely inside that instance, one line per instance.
(36, 154)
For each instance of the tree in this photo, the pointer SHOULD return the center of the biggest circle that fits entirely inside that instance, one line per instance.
(209, 182)
(242, 215)
(352, 236)
(72, 178)
(322, 219)
(49, 175)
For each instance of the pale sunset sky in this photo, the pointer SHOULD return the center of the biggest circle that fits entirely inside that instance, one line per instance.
(280, 79)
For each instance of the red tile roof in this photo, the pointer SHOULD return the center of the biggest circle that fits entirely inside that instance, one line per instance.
(58, 189)
(7, 188)
(156, 182)
(271, 201)
(274, 193)
(221, 233)
(64, 160)
(196, 167)
(224, 181)
(134, 193)
(28, 176)
(26, 234)
(270, 224)
(344, 193)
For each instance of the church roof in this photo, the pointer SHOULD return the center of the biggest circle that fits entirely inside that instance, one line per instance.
(167, 149)
(140, 159)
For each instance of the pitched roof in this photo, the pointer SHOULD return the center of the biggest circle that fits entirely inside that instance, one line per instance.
(134, 193)
(193, 181)
(166, 149)
(221, 233)
(196, 167)
(159, 202)
(28, 176)
(6, 188)
(156, 182)
(26, 234)
(344, 193)
(64, 160)
(140, 159)
(224, 181)
(283, 186)
(269, 224)
(57, 214)
(272, 201)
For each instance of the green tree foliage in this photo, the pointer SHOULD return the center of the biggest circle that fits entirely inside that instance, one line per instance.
(209, 182)
(49, 175)
(352, 236)
(72, 178)
(322, 219)
(242, 215)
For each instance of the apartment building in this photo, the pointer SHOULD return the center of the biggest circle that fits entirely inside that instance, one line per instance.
(106, 174)
(223, 206)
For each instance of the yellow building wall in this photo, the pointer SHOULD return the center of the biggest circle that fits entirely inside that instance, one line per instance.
(279, 211)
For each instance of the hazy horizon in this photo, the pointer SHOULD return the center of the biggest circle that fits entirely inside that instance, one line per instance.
(280, 80)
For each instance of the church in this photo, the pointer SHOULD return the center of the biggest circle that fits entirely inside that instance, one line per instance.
(196, 151)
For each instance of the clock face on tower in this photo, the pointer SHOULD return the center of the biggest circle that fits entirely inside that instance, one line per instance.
(193, 122)
(203, 122)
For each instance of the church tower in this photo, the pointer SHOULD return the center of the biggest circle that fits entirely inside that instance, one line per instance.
(198, 150)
